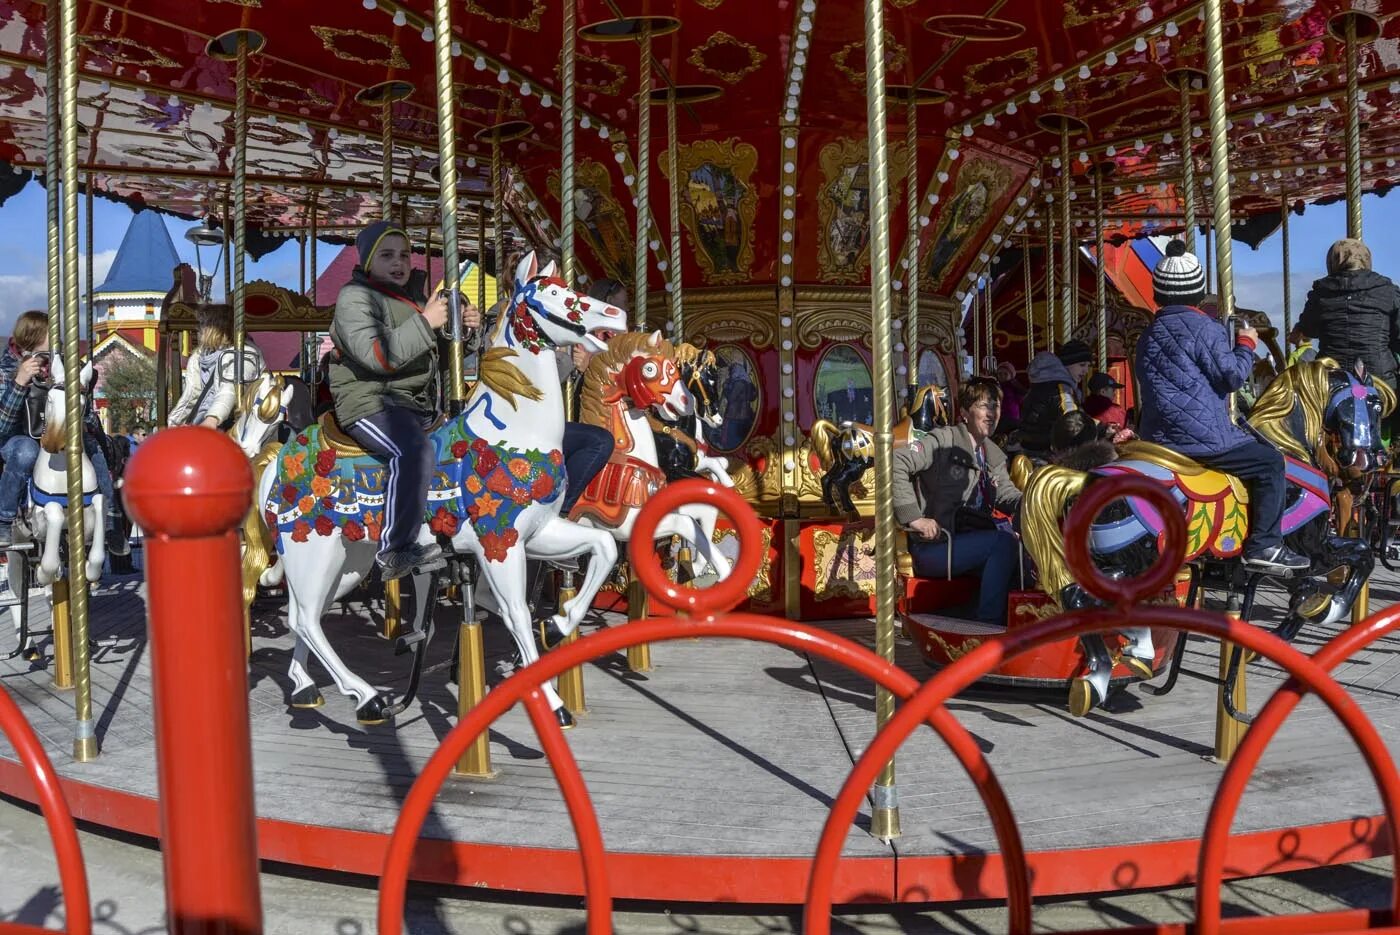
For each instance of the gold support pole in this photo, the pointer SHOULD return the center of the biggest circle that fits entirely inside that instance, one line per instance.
(447, 187)
(1287, 271)
(1211, 284)
(498, 214)
(911, 237)
(974, 321)
(1100, 288)
(639, 307)
(1188, 165)
(240, 198)
(393, 609)
(1067, 296)
(228, 251)
(1228, 731)
(989, 322)
(386, 145)
(1052, 340)
(87, 218)
(53, 92)
(1219, 157)
(885, 816)
(501, 281)
(471, 685)
(566, 155)
(62, 634)
(1030, 306)
(674, 192)
(313, 340)
(639, 656)
(84, 734)
(1353, 134)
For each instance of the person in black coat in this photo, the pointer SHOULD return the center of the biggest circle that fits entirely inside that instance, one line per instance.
(1354, 312)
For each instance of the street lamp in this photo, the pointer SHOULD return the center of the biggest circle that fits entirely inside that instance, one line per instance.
(206, 235)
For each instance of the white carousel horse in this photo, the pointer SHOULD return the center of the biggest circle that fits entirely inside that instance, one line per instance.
(495, 496)
(638, 373)
(262, 408)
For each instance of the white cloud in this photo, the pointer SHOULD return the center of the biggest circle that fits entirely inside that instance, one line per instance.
(20, 292)
(1264, 291)
(101, 266)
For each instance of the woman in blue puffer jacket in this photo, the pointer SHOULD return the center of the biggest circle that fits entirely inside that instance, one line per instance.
(1188, 366)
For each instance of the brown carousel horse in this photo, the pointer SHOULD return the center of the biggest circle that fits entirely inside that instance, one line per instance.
(848, 452)
(1326, 422)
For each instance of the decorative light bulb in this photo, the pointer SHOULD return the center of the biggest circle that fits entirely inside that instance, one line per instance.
(480, 63)
(525, 88)
(399, 18)
(1084, 72)
(1034, 96)
(1171, 29)
(1111, 59)
(427, 34)
(1059, 84)
(1139, 44)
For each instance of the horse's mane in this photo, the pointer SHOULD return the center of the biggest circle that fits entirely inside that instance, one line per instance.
(689, 354)
(504, 378)
(271, 404)
(1303, 384)
(603, 368)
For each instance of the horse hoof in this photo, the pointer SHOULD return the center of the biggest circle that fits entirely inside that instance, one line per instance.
(1142, 668)
(547, 634)
(1082, 697)
(32, 654)
(308, 697)
(566, 720)
(374, 711)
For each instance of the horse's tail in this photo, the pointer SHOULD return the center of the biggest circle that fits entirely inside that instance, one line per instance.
(1043, 509)
(824, 434)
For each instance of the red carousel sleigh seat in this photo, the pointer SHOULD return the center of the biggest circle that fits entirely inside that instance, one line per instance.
(624, 483)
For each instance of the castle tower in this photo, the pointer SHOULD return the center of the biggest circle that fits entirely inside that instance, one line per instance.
(129, 301)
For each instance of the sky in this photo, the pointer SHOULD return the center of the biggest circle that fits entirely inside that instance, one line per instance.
(1258, 273)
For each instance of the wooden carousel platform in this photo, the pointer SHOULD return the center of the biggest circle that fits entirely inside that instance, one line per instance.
(713, 774)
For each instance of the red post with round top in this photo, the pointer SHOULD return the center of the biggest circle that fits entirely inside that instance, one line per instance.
(189, 489)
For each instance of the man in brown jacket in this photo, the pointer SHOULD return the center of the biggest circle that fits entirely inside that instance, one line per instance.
(946, 486)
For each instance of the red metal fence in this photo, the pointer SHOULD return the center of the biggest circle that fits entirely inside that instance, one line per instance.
(186, 470)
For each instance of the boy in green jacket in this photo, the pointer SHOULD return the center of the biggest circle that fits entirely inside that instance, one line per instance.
(383, 380)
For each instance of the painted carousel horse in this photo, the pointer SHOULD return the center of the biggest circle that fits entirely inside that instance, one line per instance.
(1318, 415)
(637, 374)
(495, 496)
(848, 452)
(262, 412)
(681, 448)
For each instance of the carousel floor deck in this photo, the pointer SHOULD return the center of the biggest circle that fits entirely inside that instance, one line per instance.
(713, 775)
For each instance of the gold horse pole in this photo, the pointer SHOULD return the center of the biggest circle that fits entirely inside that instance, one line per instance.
(1067, 248)
(1353, 131)
(1100, 271)
(989, 351)
(885, 816)
(1051, 333)
(386, 145)
(1030, 306)
(1287, 272)
(639, 307)
(674, 193)
(240, 198)
(911, 238)
(87, 219)
(498, 213)
(85, 733)
(1188, 161)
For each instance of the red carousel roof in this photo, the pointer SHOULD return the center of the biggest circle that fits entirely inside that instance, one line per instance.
(156, 110)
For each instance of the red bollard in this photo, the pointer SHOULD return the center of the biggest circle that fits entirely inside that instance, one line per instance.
(189, 490)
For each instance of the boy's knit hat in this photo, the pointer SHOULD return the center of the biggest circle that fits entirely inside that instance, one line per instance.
(1178, 278)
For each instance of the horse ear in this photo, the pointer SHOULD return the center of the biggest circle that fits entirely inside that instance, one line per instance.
(655, 339)
(85, 376)
(528, 268)
(549, 269)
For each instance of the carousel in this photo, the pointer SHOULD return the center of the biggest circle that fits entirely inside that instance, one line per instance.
(825, 218)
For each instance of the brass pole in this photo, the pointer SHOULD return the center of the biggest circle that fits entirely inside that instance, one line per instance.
(989, 322)
(85, 734)
(1211, 284)
(1052, 341)
(673, 167)
(974, 322)
(1287, 263)
(639, 308)
(1188, 165)
(87, 217)
(1219, 157)
(62, 633)
(502, 282)
(566, 155)
(911, 238)
(386, 145)
(393, 609)
(1067, 296)
(240, 199)
(52, 170)
(885, 816)
(314, 354)
(1228, 731)
(638, 656)
(1030, 306)
(1100, 290)
(498, 214)
(1353, 134)
(471, 681)
(447, 189)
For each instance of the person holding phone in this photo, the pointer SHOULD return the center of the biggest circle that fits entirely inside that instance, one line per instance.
(25, 379)
(383, 374)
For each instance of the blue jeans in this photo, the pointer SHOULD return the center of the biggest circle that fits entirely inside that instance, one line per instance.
(992, 550)
(20, 453)
(586, 449)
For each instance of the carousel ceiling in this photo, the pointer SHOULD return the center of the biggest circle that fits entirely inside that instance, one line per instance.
(776, 183)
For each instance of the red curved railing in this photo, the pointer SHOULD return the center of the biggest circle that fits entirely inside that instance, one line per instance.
(921, 705)
(72, 875)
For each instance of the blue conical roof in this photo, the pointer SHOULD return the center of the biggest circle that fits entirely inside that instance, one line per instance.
(146, 259)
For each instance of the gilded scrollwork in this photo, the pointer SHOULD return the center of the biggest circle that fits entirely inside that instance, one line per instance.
(843, 209)
(761, 589)
(741, 316)
(125, 51)
(529, 21)
(601, 220)
(1002, 71)
(287, 92)
(595, 74)
(335, 39)
(718, 203)
(843, 565)
(728, 47)
(850, 59)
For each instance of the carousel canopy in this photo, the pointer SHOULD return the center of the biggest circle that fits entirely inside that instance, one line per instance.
(771, 118)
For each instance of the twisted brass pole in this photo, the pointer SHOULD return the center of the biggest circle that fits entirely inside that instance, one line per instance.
(1219, 156)
(1188, 165)
(87, 217)
(1030, 306)
(1052, 340)
(639, 307)
(1100, 271)
(85, 733)
(1211, 284)
(501, 283)
(974, 321)
(1067, 296)
(228, 248)
(52, 170)
(314, 354)
(386, 144)
(566, 165)
(498, 216)
(673, 169)
(885, 815)
(240, 198)
(447, 190)
(990, 322)
(911, 237)
(1287, 273)
(1353, 134)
